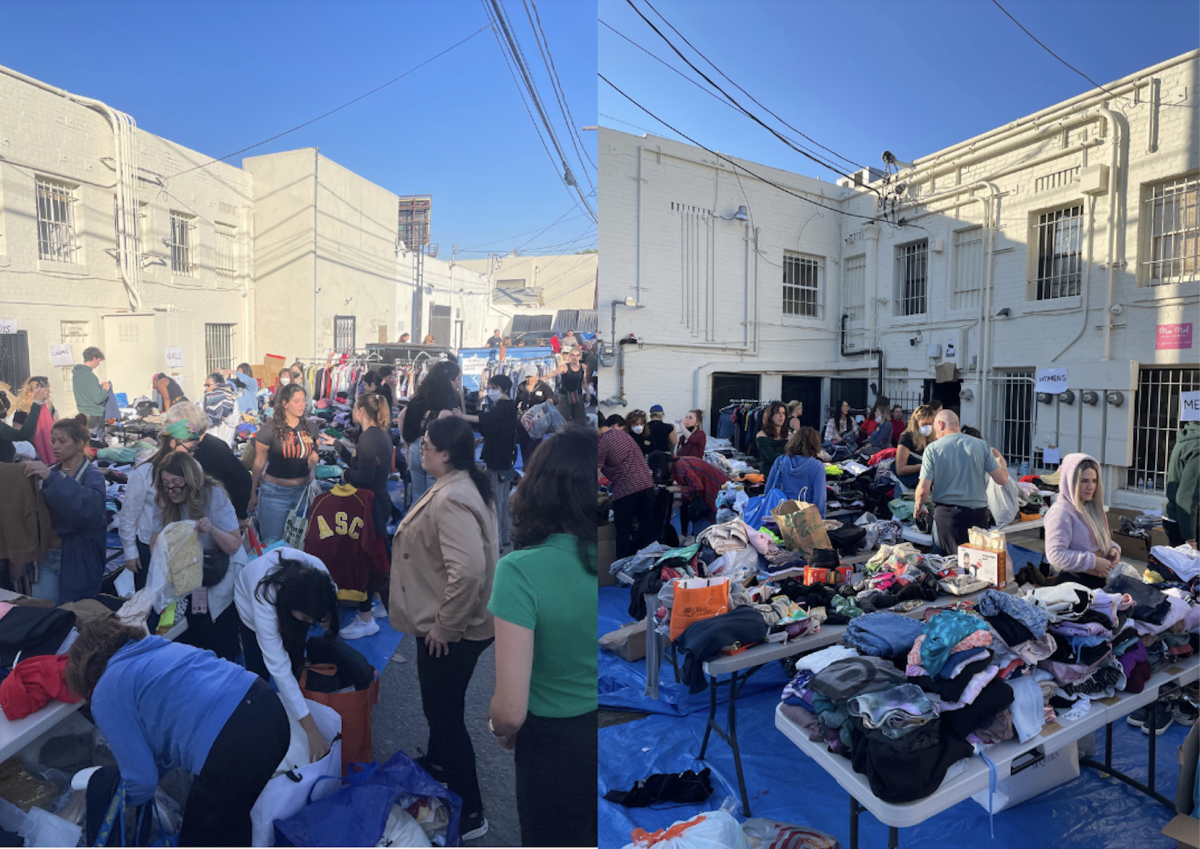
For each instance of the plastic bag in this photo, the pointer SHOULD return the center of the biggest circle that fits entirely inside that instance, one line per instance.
(703, 831)
(403, 830)
(767, 834)
(1004, 501)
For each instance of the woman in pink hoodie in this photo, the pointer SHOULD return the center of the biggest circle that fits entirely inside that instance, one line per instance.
(1077, 535)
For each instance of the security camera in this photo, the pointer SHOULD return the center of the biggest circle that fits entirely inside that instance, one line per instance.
(1116, 309)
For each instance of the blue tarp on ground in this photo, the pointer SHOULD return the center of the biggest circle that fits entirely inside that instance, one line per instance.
(784, 784)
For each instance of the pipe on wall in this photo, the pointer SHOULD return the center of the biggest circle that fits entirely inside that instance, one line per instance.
(1114, 171)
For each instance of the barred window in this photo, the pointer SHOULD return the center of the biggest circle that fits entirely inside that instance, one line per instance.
(1172, 209)
(1014, 417)
(226, 263)
(802, 285)
(968, 268)
(56, 221)
(855, 290)
(182, 244)
(1059, 253)
(218, 348)
(1156, 424)
(912, 276)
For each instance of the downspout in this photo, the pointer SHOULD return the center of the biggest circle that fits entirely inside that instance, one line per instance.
(638, 267)
(1114, 160)
(316, 170)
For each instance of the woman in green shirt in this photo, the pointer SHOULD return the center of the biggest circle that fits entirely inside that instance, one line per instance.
(544, 599)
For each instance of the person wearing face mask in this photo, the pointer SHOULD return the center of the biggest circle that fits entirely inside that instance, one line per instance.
(897, 424)
(635, 426)
(953, 470)
(772, 439)
(881, 434)
(694, 440)
(75, 495)
(284, 379)
(1078, 540)
(910, 445)
(499, 426)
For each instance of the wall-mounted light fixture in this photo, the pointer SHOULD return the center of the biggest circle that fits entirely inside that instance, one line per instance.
(1090, 398)
(1116, 399)
(1067, 397)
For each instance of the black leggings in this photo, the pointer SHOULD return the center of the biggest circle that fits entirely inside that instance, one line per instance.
(556, 768)
(240, 763)
(636, 508)
(444, 681)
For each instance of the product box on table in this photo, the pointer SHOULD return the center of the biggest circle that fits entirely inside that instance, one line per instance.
(984, 564)
(813, 575)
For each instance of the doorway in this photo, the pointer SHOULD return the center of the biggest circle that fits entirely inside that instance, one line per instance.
(727, 388)
(14, 358)
(852, 389)
(947, 393)
(806, 390)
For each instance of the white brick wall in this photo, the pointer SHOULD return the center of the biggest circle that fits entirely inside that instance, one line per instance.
(674, 363)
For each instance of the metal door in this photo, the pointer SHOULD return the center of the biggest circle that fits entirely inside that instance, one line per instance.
(439, 325)
(14, 358)
(806, 390)
(727, 388)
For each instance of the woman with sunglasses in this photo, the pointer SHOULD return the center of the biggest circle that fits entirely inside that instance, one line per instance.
(443, 561)
(74, 493)
(183, 492)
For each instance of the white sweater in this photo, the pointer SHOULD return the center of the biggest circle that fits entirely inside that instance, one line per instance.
(257, 612)
(136, 519)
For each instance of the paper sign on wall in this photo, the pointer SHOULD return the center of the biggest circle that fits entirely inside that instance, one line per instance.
(1050, 456)
(951, 348)
(8, 325)
(60, 355)
(1189, 406)
(174, 357)
(1052, 381)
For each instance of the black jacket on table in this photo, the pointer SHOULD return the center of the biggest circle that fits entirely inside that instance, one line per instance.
(219, 463)
(703, 640)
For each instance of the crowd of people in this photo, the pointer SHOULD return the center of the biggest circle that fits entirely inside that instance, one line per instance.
(496, 551)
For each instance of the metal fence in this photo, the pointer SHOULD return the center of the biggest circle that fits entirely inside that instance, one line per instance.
(1013, 418)
(1156, 424)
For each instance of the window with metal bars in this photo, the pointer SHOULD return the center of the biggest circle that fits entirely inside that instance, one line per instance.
(56, 221)
(343, 332)
(226, 266)
(802, 285)
(1156, 424)
(182, 243)
(968, 268)
(218, 347)
(855, 288)
(1014, 416)
(1172, 211)
(1059, 253)
(912, 275)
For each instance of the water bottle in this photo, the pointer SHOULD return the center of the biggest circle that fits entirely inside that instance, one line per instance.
(1024, 468)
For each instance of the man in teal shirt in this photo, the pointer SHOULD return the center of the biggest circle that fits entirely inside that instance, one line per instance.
(953, 468)
(90, 393)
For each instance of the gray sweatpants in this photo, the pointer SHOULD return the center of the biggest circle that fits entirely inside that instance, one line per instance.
(502, 491)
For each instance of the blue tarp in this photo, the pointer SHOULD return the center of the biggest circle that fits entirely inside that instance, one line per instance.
(784, 784)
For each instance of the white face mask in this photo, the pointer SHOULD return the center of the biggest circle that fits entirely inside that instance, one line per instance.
(926, 430)
(284, 381)
(637, 428)
(493, 395)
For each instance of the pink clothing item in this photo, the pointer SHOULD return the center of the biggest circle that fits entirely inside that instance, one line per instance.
(41, 436)
(1031, 651)
(1069, 543)
(759, 541)
(974, 687)
(4, 608)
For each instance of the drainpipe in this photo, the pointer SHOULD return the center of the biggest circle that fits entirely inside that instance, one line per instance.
(1114, 162)
(316, 168)
(638, 267)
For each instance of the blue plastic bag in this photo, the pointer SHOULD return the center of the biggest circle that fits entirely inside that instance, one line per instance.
(357, 814)
(115, 815)
(759, 508)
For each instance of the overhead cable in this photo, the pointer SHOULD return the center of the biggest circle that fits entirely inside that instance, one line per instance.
(539, 35)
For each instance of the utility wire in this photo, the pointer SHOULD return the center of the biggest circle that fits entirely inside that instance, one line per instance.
(732, 100)
(748, 94)
(730, 161)
(626, 123)
(1061, 59)
(535, 23)
(331, 111)
(485, 245)
(518, 57)
(715, 97)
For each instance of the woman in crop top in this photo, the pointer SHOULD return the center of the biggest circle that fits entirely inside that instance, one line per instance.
(572, 387)
(284, 459)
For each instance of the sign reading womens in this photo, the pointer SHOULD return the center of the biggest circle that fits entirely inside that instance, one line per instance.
(1189, 406)
(60, 355)
(1052, 381)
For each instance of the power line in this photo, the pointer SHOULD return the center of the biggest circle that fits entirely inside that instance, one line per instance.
(748, 94)
(1061, 59)
(535, 23)
(331, 111)
(626, 123)
(730, 161)
(732, 100)
(477, 248)
(519, 60)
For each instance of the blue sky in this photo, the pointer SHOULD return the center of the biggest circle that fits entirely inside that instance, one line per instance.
(220, 75)
(909, 76)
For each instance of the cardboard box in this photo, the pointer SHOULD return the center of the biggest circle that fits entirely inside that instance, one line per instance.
(990, 566)
(627, 642)
(1184, 830)
(840, 575)
(606, 553)
(1132, 548)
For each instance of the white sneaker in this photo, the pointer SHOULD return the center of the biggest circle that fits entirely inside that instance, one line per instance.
(358, 629)
(378, 611)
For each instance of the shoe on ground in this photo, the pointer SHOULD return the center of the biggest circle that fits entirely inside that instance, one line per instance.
(478, 831)
(1138, 718)
(378, 611)
(1184, 713)
(1163, 720)
(358, 629)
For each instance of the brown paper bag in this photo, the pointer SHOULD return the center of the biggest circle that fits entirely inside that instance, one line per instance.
(801, 527)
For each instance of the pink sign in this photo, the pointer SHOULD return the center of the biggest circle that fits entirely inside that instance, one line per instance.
(1173, 337)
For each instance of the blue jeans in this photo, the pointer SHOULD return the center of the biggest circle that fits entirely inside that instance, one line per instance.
(421, 479)
(274, 504)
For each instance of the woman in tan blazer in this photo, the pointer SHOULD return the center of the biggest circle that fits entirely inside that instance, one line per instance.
(443, 562)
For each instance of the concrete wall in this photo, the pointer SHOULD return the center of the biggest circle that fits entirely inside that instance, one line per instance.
(466, 292)
(44, 134)
(712, 299)
(568, 281)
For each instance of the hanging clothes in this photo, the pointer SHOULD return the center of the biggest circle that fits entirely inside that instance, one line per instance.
(342, 534)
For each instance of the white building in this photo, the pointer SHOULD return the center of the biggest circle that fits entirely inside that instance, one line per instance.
(997, 259)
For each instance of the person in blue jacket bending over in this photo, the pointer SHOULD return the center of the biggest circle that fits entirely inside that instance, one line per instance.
(800, 473)
(164, 705)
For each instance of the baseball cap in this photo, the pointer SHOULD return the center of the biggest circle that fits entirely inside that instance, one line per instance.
(657, 408)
